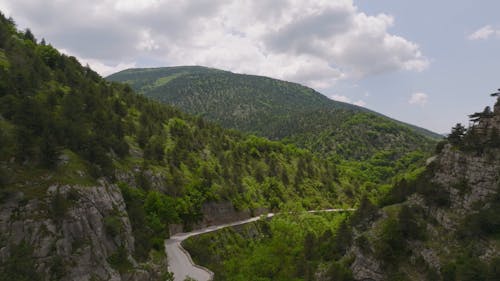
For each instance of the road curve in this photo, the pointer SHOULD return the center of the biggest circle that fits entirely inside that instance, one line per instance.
(180, 262)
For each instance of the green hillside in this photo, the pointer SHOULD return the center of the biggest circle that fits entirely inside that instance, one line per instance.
(441, 223)
(63, 127)
(278, 110)
(52, 107)
(248, 103)
(93, 175)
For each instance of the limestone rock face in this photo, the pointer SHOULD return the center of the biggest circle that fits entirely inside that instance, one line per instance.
(68, 233)
(365, 267)
(471, 178)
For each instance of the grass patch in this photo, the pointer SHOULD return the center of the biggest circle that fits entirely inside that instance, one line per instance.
(4, 62)
(73, 171)
(34, 182)
(164, 80)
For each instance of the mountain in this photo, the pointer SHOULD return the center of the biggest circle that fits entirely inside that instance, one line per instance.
(445, 223)
(244, 102)
(278, 110)
(441, 223)
(94, 177)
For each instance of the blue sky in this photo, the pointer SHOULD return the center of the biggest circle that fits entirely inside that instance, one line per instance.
(428, 63)
(461, 74)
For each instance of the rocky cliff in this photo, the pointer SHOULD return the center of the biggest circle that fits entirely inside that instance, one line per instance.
(445, 225)
(74, 232)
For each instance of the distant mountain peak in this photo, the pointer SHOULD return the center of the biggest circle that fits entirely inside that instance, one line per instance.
(274, 108)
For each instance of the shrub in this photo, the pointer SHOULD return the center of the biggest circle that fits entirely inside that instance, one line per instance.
(339, 272)
(391, 244)
(20, 266)
(59, 206)
(363, 244)
(113, 225)
(119, 260)
(434, 193)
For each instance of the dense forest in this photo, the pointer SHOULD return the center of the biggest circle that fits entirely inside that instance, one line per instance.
(65, 130)
(61, 119)
(62, 124)
(441, 223)
(370, 151)
(289, 247)
(278, 110)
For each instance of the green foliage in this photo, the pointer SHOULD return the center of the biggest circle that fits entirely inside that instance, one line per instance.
(281, 110)
(392, 244)
(60, 122)
(485, 222)
(59, 206)
(162, 206)
(457, 134)
(53, 102)
(20, 265)
(395, 233)
(479, 137)
(410, 227)
(119, 260)
(57, 268)
(199, 89)
(113, 225)
(365, 214)
(4, 178)
(468, 267)
(167, 276)
(145, 238)
(150, 214)
(51, 106)
(418, 182)
(339, 272)
(4, 62)
(288, 247)
(435, 194)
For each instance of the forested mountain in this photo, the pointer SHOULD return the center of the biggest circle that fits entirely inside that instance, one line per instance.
(278, 110)
(445, 223)
(440, 224)
(92, 175)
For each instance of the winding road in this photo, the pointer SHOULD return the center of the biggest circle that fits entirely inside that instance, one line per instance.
(180, 262)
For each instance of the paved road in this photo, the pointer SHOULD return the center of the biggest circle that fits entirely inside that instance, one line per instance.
(179, 260)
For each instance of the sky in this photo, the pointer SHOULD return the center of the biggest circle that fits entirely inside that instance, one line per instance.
(428, 63)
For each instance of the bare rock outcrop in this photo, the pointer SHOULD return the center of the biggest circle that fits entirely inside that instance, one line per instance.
(72, 232)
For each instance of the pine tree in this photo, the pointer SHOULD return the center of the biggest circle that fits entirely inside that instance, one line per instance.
(457, 133)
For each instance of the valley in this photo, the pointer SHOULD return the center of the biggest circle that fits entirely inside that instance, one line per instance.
(105, 178)
(180, 262)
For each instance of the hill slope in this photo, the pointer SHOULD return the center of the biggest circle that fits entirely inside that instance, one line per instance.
(93, 176)
(276, 109)
(442, 223)
(445, 223)
(244, 102)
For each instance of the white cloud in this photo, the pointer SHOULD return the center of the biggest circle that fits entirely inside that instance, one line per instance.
(100, 67)
(312, 42)
(484, 33)
(419, 99)
(348, 100)
(106, 69)
(341, 98)
(360, 103)
(147, 43)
